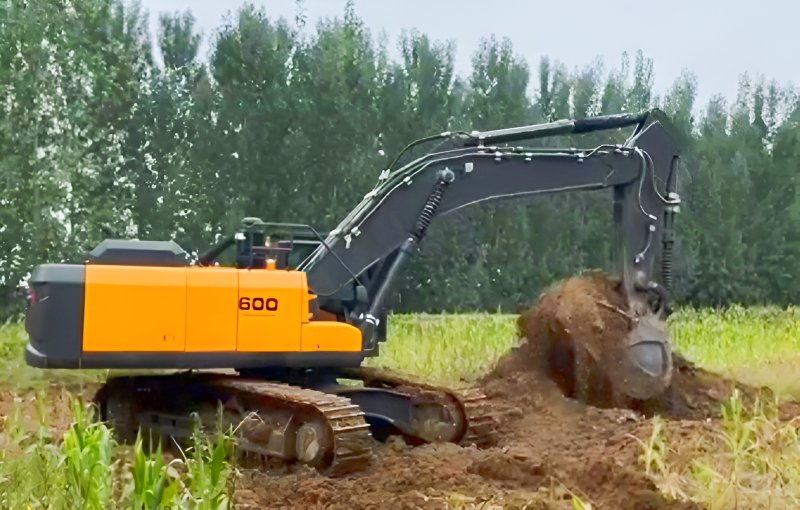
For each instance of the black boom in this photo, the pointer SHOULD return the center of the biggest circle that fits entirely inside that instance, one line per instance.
(382, 230)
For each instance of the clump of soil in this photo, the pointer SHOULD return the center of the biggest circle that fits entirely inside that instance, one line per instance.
(587, 313)
(574, 334)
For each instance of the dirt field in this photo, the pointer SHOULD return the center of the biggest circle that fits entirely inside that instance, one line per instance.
(548, 446)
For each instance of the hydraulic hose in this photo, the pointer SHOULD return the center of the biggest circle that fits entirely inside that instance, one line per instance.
(370, 320)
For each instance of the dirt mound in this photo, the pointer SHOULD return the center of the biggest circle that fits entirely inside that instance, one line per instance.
(588, 312)
(572, 333)
(548, 446)
(431, 476)
(541, 459)
(523, 473)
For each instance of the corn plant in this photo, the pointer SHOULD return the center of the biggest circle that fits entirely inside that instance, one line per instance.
(209, 471)
(30, 476)
(749, 461)
(155, 484)
(87, 448)
(654, 453)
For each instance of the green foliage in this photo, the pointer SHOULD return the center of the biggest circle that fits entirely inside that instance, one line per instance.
(208, 470)
(155, 485)
(13, 367)
(85, 468)
(757, 345)
(40, 471)
(446, 347)
(104, 134)
(87, 448)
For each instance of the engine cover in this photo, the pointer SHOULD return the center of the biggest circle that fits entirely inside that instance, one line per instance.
(161, 316)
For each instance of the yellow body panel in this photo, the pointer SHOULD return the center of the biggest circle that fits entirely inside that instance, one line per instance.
(271, 309)
(211, 316)
(134, 309)
(205, 309)
(330, 337)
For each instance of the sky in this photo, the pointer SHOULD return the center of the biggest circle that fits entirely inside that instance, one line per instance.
(716, 40)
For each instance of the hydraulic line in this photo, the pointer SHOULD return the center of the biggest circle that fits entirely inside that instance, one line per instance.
(370, 321)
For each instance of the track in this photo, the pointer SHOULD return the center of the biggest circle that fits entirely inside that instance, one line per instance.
(290, 424)
(336, 441)
(473, 416)
(273, 421)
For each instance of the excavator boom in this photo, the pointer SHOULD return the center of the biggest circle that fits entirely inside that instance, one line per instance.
(384, 229)
(641, 171)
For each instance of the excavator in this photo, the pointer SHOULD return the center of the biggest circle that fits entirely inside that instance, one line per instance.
(273, 339)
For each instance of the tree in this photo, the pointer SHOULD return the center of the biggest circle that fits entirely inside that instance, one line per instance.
(98, 138)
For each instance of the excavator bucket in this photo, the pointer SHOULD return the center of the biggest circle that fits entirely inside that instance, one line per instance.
(646, 364)
(601, 348)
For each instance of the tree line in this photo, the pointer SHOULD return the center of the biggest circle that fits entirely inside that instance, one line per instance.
(105, 133)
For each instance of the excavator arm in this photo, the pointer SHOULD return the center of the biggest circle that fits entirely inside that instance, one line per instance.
(352, 271)
(393, 217)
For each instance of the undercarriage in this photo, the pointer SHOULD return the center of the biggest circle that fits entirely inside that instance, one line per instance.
(326, 419)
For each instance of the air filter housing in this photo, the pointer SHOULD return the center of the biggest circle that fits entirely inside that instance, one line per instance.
(138, 253)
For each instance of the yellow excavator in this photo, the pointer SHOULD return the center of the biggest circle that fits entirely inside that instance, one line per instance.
(273, 337)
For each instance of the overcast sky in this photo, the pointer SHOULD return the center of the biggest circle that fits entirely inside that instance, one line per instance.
(717, 40)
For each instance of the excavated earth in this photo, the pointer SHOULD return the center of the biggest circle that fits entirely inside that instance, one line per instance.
(547, 445)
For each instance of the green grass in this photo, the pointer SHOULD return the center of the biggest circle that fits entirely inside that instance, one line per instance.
(759, 345)
(16, 373)
(446, 348)
(750, 457)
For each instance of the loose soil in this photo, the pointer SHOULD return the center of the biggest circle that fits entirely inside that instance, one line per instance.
(548, 446)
